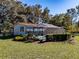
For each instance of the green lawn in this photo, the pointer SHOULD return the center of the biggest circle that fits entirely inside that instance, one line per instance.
(53, 50)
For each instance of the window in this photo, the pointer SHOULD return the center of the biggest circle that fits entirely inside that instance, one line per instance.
(29, 29)
(35, 29)
(38, 29)
(21, 29)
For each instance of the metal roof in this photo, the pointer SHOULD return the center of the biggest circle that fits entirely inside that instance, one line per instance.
(26, 24)
(44, 25)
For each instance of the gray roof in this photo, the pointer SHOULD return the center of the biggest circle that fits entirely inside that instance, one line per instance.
(45, 25)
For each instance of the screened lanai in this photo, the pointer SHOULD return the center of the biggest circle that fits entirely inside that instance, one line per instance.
(37, 29)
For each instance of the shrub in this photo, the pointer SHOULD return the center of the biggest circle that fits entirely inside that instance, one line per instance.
(6, 37)
(61, 37)
(58, 37)
(29, 37)
(19, 38)
(43, 38)
(35, 38)
(49, 38)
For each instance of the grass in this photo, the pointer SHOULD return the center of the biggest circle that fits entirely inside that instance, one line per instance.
(77, 38)
(53, 50)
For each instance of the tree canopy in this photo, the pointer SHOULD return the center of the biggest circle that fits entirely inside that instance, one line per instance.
(12, 11)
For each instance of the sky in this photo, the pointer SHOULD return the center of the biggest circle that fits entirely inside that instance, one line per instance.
(55, 6)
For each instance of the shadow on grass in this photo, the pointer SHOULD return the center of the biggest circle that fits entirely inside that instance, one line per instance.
(39, 42)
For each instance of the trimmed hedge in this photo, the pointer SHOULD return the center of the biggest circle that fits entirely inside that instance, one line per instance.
(6, 37)
(58, 37)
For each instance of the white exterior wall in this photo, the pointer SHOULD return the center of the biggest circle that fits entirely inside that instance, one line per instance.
(17, 30)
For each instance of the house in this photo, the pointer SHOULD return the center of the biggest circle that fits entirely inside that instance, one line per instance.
(37, 29)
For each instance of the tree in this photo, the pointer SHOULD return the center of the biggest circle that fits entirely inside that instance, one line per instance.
(5, 22)
(73, 14)
(45, 14)
(62, 20)
(6, 14)
(57, 20)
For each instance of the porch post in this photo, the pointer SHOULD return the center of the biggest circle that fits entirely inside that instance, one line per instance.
(42, 31)
(33, 30)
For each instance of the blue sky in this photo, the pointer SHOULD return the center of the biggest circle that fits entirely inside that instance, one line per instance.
(55, 6)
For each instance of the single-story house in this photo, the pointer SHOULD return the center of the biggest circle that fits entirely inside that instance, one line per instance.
(37, 29)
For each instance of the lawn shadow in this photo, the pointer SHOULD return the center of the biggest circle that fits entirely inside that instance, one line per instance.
(40, 42)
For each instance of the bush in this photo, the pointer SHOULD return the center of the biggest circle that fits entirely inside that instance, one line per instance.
(19, 38)
(58, 37)
(43, 38)
(35, 38)
(6, 37)
(30, 37)
(49, 38)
